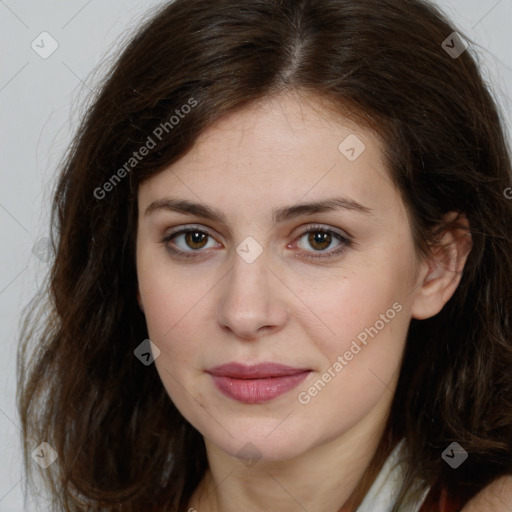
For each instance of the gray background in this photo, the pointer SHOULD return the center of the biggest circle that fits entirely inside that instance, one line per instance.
(41, 101)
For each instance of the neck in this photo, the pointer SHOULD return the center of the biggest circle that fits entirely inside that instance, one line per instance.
(333, 476)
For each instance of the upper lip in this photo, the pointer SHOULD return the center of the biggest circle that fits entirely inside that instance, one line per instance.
(257, 371)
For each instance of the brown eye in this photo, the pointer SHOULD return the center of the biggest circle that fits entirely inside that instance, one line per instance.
(191, 242)
(195, 239)
(320, 239)
(188, 242)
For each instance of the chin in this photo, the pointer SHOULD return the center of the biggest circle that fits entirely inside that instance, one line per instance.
(260, 442)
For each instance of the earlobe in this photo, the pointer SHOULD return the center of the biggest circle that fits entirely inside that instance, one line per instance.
(442, 273)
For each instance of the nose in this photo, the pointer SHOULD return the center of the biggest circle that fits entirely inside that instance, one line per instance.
(252, 302)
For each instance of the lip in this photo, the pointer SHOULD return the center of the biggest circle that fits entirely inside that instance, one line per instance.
(256, 383)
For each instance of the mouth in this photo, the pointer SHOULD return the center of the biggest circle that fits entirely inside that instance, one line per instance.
(258, 383)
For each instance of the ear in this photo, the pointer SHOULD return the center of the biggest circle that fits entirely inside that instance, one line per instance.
(440, 275)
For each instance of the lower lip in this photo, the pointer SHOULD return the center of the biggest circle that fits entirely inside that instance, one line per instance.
(256, 391)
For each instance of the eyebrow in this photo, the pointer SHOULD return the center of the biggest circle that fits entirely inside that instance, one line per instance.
(279, 215)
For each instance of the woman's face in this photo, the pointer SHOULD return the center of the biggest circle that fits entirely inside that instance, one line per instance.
(250, 286)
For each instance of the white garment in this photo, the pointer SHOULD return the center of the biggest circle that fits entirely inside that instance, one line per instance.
(384, 491)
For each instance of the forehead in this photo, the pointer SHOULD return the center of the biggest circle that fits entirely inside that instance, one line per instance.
(276, 151)
(288, 124)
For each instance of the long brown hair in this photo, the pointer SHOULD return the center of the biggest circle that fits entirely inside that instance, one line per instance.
(121, 443)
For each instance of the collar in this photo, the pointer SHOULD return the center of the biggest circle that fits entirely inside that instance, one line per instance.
(384, 491)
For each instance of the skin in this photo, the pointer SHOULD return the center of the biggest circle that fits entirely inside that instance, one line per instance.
(496, 497)
(286, 306)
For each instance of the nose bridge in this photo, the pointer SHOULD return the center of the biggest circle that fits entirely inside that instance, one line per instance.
(250, 298)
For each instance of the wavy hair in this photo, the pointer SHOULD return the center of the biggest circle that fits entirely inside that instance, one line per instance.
(121, 442)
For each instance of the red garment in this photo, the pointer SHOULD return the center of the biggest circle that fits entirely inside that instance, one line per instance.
(439, 501)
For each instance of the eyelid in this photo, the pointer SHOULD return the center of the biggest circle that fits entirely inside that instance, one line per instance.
(189, 227)
(324, 227)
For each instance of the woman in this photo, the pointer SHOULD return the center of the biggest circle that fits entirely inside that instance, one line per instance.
(301, 204)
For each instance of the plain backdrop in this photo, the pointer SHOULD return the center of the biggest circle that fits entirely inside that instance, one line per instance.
(40, 106)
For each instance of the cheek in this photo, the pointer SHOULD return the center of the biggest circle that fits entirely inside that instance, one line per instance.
(361, 360)
(180, 321)
(174, 320)
(170, 295)
(344, 306)
(360, 329)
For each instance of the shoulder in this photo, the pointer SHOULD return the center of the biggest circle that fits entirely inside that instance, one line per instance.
(496, 497)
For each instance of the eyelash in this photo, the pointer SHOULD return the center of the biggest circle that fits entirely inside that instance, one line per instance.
(345, 242)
